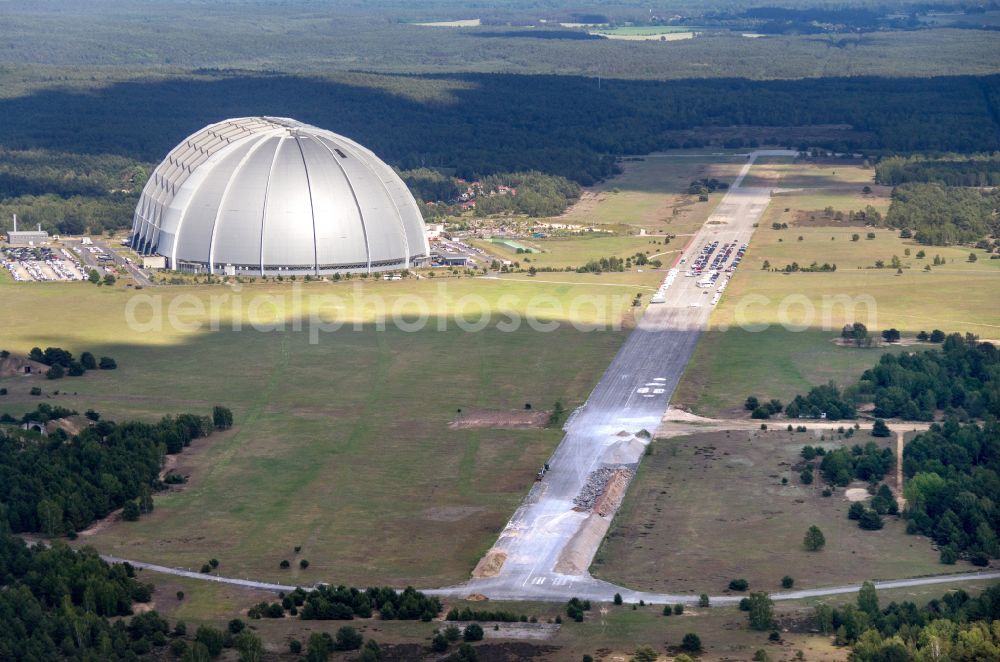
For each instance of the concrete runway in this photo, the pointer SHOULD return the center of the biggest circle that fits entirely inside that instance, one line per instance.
(632, 395)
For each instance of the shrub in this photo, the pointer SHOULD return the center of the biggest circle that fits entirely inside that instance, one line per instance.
(303, 564)
(473, 632)
(703, 600)
(295, 646)
(870, 521)
(618, 598)
(645, 654)
(738, 585)
(107, 363)
(284, 564)
(691, 643)
(348, 639)
(130, 512)
(678, 609)
(439, 644)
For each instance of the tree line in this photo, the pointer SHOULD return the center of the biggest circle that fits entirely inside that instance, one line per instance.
(953, 489)
(948, 170)
(954, 627)
(327, 602)
(481, 124)
(58, 485)
(960, 379)
(59, 603)
(940, 215)
(55, 603)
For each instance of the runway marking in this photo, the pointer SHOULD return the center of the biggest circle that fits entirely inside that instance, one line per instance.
(560, 581)
(642, 389)
(538, 581)
(659, 390)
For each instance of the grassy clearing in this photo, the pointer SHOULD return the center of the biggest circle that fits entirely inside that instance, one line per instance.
(342, 446)
(560, 252)
(730, 365)
(651, 193)
(711, 507)
(796, 316)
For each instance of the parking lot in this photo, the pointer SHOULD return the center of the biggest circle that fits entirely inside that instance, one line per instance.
(27, 264)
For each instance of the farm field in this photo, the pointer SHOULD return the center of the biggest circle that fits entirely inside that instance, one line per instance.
(710, 507)
(342, 447)
(772, 333)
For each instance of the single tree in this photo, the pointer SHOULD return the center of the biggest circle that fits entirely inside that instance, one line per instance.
(868, 599)
(348, 639)
(870, 521)
(761, 611)
(814, 539)
(691, 643)
(473, 632)
(222, 418)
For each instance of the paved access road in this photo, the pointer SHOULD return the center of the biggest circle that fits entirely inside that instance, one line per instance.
(594, 590)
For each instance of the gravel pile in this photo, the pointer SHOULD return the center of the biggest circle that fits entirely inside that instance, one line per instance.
(596, 483)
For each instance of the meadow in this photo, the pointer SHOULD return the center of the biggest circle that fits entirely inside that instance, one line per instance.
(341, 447)
(711, 507)
(651, 192)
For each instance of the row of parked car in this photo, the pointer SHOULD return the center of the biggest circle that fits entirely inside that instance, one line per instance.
(40, 264)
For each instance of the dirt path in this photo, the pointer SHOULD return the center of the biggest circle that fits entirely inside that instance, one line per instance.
(678, 422)
(900, 443)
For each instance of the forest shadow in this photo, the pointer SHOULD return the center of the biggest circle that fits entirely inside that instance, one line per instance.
(566, 125)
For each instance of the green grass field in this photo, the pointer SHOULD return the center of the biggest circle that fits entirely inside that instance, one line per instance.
(342, 447)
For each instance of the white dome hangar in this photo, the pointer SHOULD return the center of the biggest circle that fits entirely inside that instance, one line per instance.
(270, 195)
